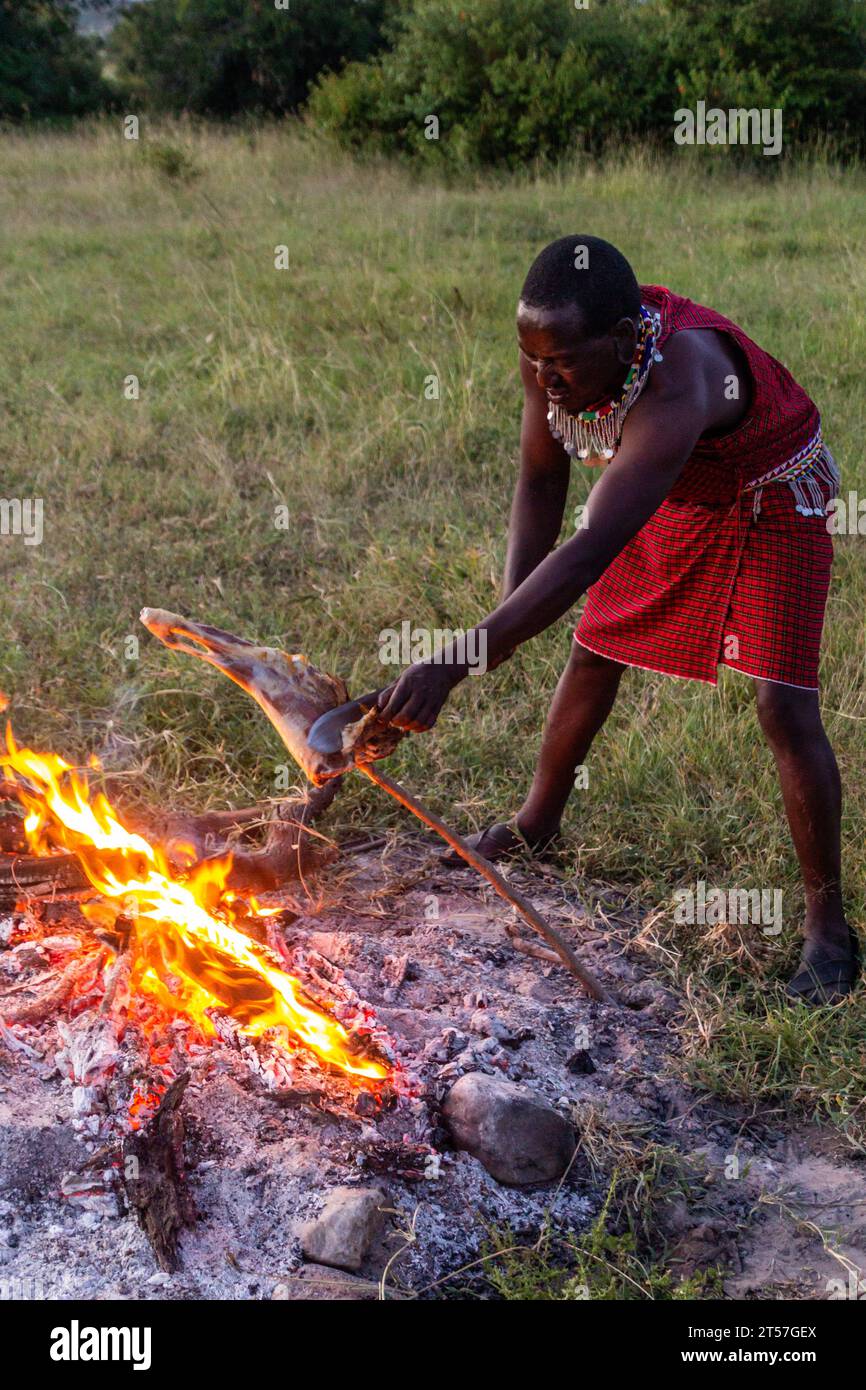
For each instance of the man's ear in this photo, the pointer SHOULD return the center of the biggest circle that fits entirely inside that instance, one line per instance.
(624, 335)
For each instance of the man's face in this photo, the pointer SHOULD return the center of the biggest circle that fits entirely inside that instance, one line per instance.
(575, 370)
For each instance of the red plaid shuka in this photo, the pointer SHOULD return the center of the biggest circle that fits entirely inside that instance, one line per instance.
(726, 571)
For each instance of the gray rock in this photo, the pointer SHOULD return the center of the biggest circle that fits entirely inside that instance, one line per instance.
(349, 1223)
(450, 1070)
(517, 1136)
(476, 1000)
(490, 1025)
(444, 1047)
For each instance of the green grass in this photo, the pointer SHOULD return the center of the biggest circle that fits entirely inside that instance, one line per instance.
(305, 387)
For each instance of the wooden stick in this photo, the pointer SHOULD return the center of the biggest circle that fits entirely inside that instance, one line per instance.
(45, 1003)
(32, 875)
(502, 886)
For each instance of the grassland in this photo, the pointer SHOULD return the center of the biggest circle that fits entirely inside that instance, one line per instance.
(304, 388)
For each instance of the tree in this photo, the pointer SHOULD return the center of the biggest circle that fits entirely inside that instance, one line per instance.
(221, 57)
(46, 67)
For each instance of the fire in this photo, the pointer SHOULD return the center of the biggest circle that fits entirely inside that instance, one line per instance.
(188, 954)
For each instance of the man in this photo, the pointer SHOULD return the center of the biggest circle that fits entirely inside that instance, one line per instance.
(704, 541)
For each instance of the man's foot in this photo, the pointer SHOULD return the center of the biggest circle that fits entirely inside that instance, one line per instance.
(826, 972)
(499, 841)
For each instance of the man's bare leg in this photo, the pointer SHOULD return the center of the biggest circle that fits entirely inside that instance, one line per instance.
(583, 699)
(812, 793)
(581, 703)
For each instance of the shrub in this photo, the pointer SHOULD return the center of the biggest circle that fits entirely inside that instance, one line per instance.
(808, 59)
(509, 80)
(170, 161)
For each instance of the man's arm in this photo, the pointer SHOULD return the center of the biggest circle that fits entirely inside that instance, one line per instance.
(541, 489)
(658, 438)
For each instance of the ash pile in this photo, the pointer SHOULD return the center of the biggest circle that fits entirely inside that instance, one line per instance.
(142, 1160)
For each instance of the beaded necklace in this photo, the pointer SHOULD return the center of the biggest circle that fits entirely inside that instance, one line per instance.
(597, 432)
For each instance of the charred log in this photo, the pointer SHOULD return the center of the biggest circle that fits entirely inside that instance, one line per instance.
(155, 1179)
(35, 875)
(19, 1006)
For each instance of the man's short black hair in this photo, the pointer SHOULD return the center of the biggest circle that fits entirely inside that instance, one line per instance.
(588, 274)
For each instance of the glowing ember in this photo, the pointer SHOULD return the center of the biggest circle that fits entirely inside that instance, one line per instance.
(188, 954)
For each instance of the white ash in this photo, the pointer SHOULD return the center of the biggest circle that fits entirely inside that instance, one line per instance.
(269, 1134)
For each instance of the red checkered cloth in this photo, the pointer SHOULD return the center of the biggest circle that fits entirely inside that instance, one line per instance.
(706, 581)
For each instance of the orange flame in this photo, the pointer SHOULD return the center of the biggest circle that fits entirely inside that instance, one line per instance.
(188, 958)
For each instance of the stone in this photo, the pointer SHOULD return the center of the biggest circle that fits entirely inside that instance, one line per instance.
(490, 1025)
(518, 1137)
(349, 1222)
(476, 1000)
(445, 1046)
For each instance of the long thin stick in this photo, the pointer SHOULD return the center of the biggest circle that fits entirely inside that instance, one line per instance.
(502, 886)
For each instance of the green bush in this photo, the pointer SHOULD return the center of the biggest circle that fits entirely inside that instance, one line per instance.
(507, 81)
(170, 161)
(809, 59)
(512, 80)
(46, 67)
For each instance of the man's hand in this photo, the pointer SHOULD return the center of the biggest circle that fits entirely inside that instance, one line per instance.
(416, 698)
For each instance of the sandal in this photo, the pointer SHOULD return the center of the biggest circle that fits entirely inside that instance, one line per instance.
(500, 841)
(828, 980)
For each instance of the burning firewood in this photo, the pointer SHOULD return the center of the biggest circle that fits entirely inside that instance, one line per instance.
(288, 852)
(11, 830)
(188, 955)
(34, 874)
